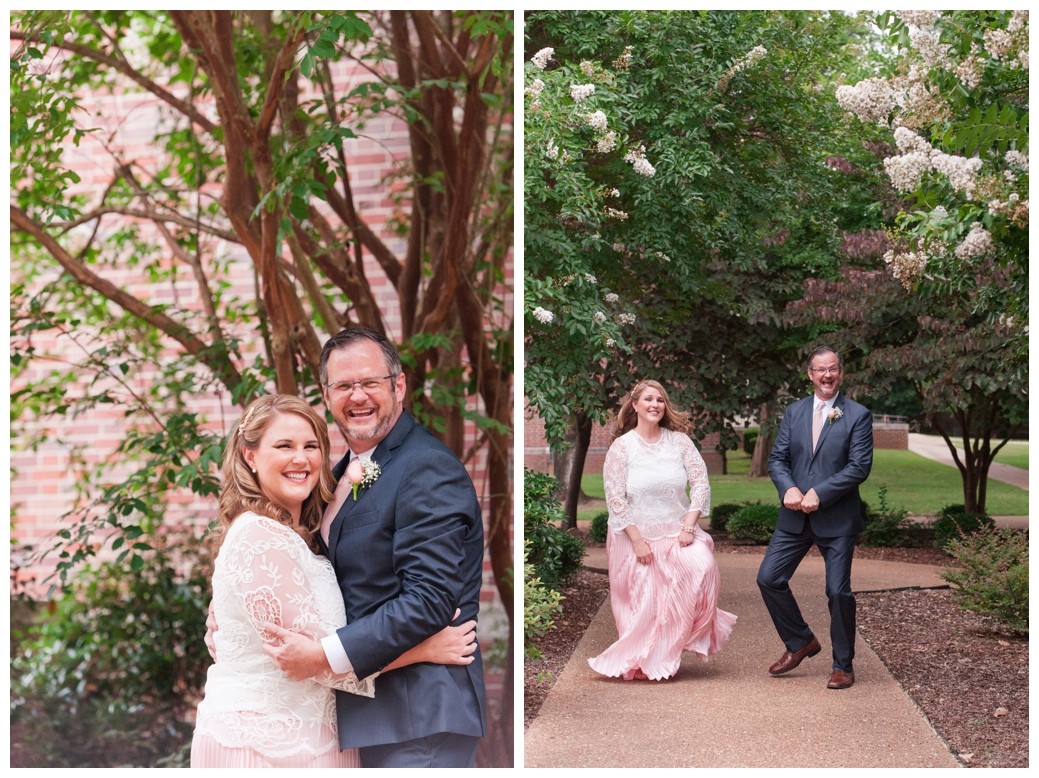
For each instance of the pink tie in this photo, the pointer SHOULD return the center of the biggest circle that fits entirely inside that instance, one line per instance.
(817, 424)
(343, 490)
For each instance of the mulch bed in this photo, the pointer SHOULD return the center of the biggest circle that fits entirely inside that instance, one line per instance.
(969, 678)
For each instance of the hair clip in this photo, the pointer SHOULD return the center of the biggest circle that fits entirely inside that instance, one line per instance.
(245, 420)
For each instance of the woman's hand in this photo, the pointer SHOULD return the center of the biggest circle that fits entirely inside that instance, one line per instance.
(643, 553)
(686, 536)
(449, 646)
(297, 656)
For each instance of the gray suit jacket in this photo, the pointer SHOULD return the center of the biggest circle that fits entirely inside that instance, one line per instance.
(407, 552)
(835, 469)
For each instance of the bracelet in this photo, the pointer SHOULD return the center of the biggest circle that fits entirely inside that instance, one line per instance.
(688, 529)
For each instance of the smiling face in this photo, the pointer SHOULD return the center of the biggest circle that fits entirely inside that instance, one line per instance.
(650, 406)
(364, 416)
(287, 461)
(825, 373)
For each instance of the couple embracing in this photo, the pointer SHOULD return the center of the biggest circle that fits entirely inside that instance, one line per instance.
(370, 588)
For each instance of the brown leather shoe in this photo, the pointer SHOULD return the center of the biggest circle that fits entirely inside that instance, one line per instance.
(792, 659)
(841, 679)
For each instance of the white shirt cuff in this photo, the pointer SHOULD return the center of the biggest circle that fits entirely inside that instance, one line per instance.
(336, 654)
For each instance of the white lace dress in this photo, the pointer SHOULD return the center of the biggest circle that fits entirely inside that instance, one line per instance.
(252, 714)
(668, 606)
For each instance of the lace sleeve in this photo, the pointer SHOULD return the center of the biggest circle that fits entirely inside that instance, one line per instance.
(615, 484)
(279, 583)
(696, 473)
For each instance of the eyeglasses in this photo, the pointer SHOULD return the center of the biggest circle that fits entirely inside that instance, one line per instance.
(825, 370)
(367, 385)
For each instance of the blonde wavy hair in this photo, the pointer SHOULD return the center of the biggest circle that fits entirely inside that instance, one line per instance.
(241, 490)
(673, 419)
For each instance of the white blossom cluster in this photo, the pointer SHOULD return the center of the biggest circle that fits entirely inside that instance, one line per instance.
(587, 68)
(932, 51)
(626, 318)
(1010, 45)
(599, 317)
(551, 150)
(1018, 159)
(637, 159)
(611, 297)
(540, 60)
(907, 171)
(624, 60)
(919, 18)
(961, 172)
(597, 121)
(534, 90)
(978, 243)
(591, 279)
(970, 71)
(613, 213)
(872, 100)
(543, 316)
(752, 57)
(610, 343)
(998, 43)
(906, 267)
(921, 105)
(606, 143)
(580, 92)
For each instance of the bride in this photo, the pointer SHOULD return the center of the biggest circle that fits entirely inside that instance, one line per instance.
(276, 480)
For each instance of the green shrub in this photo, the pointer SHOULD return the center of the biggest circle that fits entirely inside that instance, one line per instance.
(720, 515)
(111, 672)
(540, 606)
(955, 521)
(750, 439)
(753, 523)
(600, 526)
(555, 554)
(993, 577)
(888, 527)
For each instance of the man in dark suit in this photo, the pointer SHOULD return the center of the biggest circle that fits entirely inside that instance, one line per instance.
(408, 552)
(824, 450)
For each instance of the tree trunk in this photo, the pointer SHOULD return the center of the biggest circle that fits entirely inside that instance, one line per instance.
(583, 438)
(762, 446)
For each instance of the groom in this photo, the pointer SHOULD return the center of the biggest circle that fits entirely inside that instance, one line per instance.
(407, 549)
(824, 450)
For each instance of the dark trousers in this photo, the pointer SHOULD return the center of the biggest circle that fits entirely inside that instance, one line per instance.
(784, 554)
(445, 749)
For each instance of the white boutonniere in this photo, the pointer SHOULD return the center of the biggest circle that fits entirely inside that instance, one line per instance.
(834, 415)
(362, 473)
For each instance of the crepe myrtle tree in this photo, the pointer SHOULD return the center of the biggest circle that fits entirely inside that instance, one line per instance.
(249, 160)
(954, 111)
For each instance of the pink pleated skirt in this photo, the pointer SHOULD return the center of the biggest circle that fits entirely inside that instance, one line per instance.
(664, 608)
(208, 752)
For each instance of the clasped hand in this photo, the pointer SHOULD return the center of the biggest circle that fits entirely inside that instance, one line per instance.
(300, 657)
(795, 500)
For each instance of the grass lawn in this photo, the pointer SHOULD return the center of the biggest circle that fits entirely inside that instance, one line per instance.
(920, 485)
(1014, 453)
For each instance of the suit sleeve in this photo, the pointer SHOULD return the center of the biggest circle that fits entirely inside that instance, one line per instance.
(437, 540)
(779, 466)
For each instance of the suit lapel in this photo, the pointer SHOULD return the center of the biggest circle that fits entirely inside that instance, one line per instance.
(382, 455)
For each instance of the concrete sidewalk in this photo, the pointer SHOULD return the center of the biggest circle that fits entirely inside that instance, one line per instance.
(934, 447)
(729, 712)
